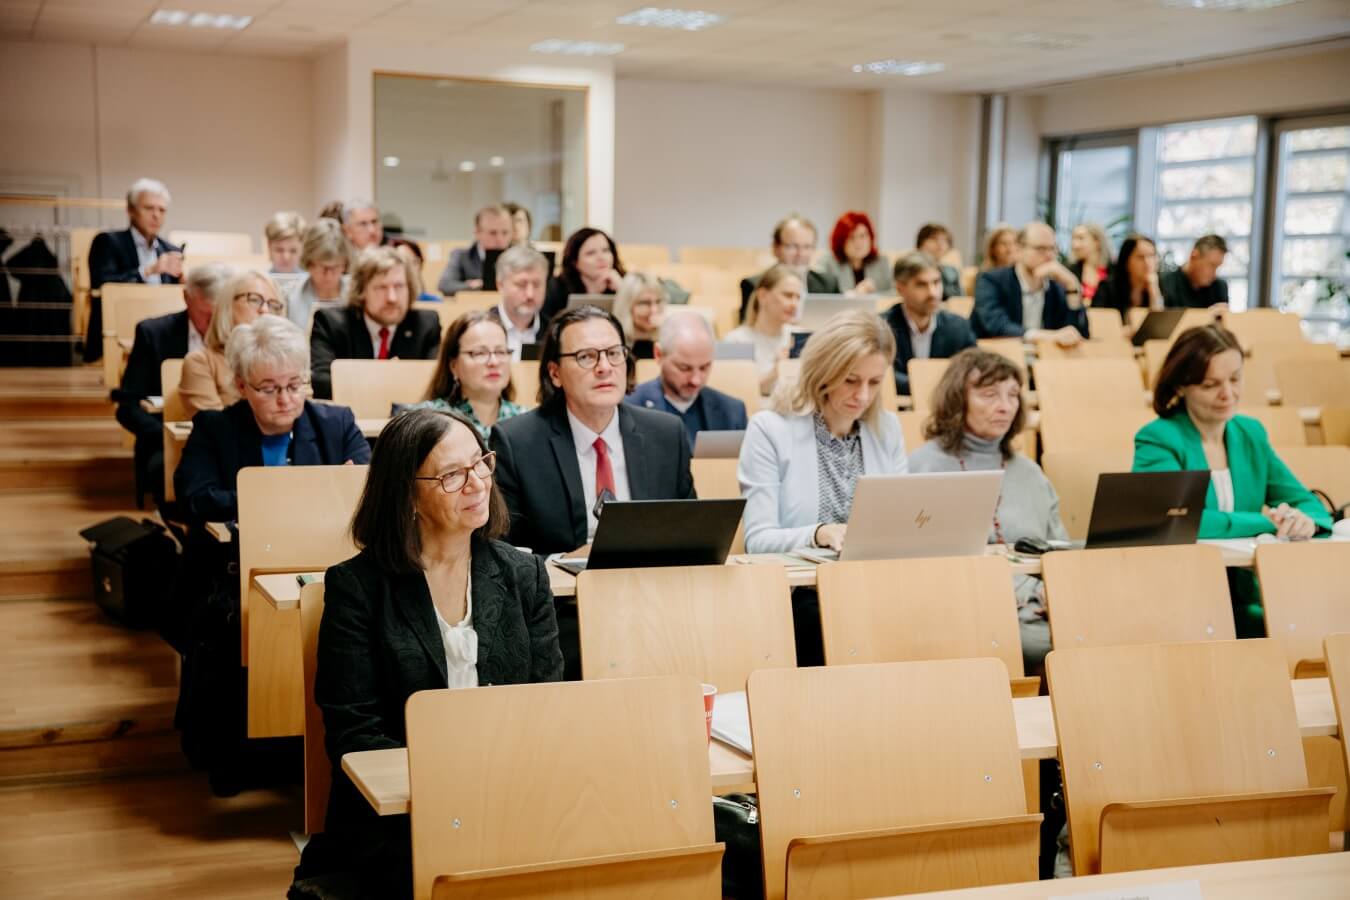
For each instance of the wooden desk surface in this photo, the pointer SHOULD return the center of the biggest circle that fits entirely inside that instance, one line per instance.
(382, 775)
(1324, 875)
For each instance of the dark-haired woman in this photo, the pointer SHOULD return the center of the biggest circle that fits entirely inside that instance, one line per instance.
(473, 373)
(590, 265)
(977, 413)
(433, 600)
(1134, 280)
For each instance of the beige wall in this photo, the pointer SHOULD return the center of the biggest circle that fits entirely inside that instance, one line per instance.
(229, 135)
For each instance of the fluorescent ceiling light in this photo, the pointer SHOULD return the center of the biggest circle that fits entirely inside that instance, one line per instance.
(496, 162)
(577, 48)
(679, 19)
(899, 67)
(199, 19)
(468, 165)
(1227, 5)
(391, 162)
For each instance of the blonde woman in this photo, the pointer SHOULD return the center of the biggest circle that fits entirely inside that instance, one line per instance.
(1000, 247)
(640, 306)
(285, 241)
(208, 382)
(769, 317)
(1090, 250)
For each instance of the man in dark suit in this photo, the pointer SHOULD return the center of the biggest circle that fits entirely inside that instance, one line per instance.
(137, 254)
(158, 339)
(582, 443)
(794, 243)
(1037, 298)
(379, 324)
(464, 272)
(922, 330)
(684, 350)
(1196, 284)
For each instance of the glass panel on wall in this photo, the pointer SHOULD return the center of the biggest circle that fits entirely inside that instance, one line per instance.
(445, 148)
(1311, 266)
(1206, 183)
(1094, 183)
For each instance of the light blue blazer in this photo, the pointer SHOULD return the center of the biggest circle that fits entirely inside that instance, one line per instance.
(778, 475)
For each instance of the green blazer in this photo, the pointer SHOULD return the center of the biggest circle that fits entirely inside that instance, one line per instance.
(1260, 478)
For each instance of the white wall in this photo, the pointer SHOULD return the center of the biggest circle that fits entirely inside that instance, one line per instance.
(229, 135)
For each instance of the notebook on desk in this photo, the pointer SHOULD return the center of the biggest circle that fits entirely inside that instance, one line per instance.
(641, 533)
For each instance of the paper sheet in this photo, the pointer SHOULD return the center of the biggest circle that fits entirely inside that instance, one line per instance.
(731, 721)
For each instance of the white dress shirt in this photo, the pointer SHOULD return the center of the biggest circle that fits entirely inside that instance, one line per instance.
(374, 328)
(145, 257)
(517, 337)
(461, 645)
(584, 440)
(196, 340)
(1033, 304)
(921, 342)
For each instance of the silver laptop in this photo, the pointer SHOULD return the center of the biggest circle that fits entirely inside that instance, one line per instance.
(914, 516)
(718, 444)
(817, 309)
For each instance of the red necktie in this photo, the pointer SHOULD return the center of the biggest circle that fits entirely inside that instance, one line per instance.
(604, 475)
(384, 344)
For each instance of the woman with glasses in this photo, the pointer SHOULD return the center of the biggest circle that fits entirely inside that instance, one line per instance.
(640, 306)
(207, 382)
(433, 600)
(473, 373)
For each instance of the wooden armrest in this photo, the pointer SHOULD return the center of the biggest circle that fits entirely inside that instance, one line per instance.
(915, 858)
(1221, 828)
(673, 873)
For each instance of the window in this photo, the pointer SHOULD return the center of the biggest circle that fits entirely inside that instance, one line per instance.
(1312, 214)
(1094, 182)
(1206, 183)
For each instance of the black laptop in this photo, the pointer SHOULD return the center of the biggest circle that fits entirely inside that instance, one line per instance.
(642, 533)
(1157, 325)
(1145, 509)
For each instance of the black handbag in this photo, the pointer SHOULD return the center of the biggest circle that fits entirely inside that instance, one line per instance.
(134, 565)
(1337, 513)
(736, 824)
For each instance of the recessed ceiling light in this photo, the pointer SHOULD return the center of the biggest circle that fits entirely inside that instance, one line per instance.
(1227, 5)
(496, 162)
(577, 48)
(680, 19)
(391, 162)
(468, 165)
(199, 19)
(899, 67)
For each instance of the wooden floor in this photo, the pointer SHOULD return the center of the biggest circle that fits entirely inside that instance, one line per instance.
(95, 796)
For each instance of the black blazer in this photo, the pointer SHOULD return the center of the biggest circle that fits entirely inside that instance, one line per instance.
(555, 298)
(378, 645)
(816, 283)
(951, 335)
(342, 334)
(538, 475)
(112, 257)
(157, 339)
(226, 440)
(998, 306)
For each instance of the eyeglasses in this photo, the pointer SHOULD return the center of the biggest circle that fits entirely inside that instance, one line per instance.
(269, 390)
(589, 357)
(483, 354)
(258, 302)
(455, 479)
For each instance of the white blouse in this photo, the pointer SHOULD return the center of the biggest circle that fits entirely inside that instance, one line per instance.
(461, 645)
(1222, 479)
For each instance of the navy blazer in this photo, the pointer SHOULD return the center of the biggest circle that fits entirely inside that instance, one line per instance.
(157, 339)
(951, 335)
(342, 334)
(112, 257)
(998, 306)
(227, 440)
(712, 410)
(540, 480)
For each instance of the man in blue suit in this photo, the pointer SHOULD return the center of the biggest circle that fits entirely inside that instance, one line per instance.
(137, 254)
(684, 350)
(1036, 299)
(923, 330)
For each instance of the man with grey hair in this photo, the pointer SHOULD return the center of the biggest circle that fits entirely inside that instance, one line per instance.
(361, 223)
(464, 272)
(164, 337)
(522, 275)
(137, 254)
(684, 351)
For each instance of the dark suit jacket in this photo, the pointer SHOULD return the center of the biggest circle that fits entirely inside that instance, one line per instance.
(342, 334)
(226, 440)
(555, 297)
(379, 644)
(712, 410)
(112, 257)
(998, 306)
(466, 264)
(816, 283)
(538, 475)
(951, 335)
(157, 339)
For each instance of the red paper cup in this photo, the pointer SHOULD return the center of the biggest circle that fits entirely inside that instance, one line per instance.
(709, 693)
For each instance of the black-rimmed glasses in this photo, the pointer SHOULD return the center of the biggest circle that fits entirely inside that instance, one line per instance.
(589, 357)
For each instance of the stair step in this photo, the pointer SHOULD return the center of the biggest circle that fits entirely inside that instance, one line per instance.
(93, 471)
(42, 555)
(47, 393)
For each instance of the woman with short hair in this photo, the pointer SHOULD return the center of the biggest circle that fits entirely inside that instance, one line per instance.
(640, 306)
(285, 241)
(522, 224)
(977, 414)
(207, 382)
(774, 306)
(473, 373)
(325, 256)
(854, 260)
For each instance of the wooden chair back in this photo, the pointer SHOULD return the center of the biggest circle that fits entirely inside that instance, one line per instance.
(1155, 354)
(170, 375)
(318, 770)
(637, 257)
(1089, 428)
(1283, 424)
(1077, 384)
(372, 386)
(1258, 370)
(715, 479)
(716, 624)
(911, 428)
(924, 375)
(525, 379)
(1011, 348)
(1325, 468)
(1336, 425)
(739, 261)
(80, 241)
(961, 306)
(1305, 382)
(1182, 754)
(969, 274)
(1253, 327)
(446, 311)
(1305, 589)
(291, 519)
(1105, 324)
(1137, 595)
(1074, 475)
(739, 378)
(517, 790)
(214, 243)
(124, 307)
(465, 301)
(1336, 650)
(1106, 348)
(840, 817)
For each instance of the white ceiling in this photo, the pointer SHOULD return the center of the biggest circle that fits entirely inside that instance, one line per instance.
(796, 42)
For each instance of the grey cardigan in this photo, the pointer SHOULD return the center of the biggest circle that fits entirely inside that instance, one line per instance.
(879, 270)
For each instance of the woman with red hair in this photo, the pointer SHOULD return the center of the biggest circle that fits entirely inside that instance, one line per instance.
(854, 259)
